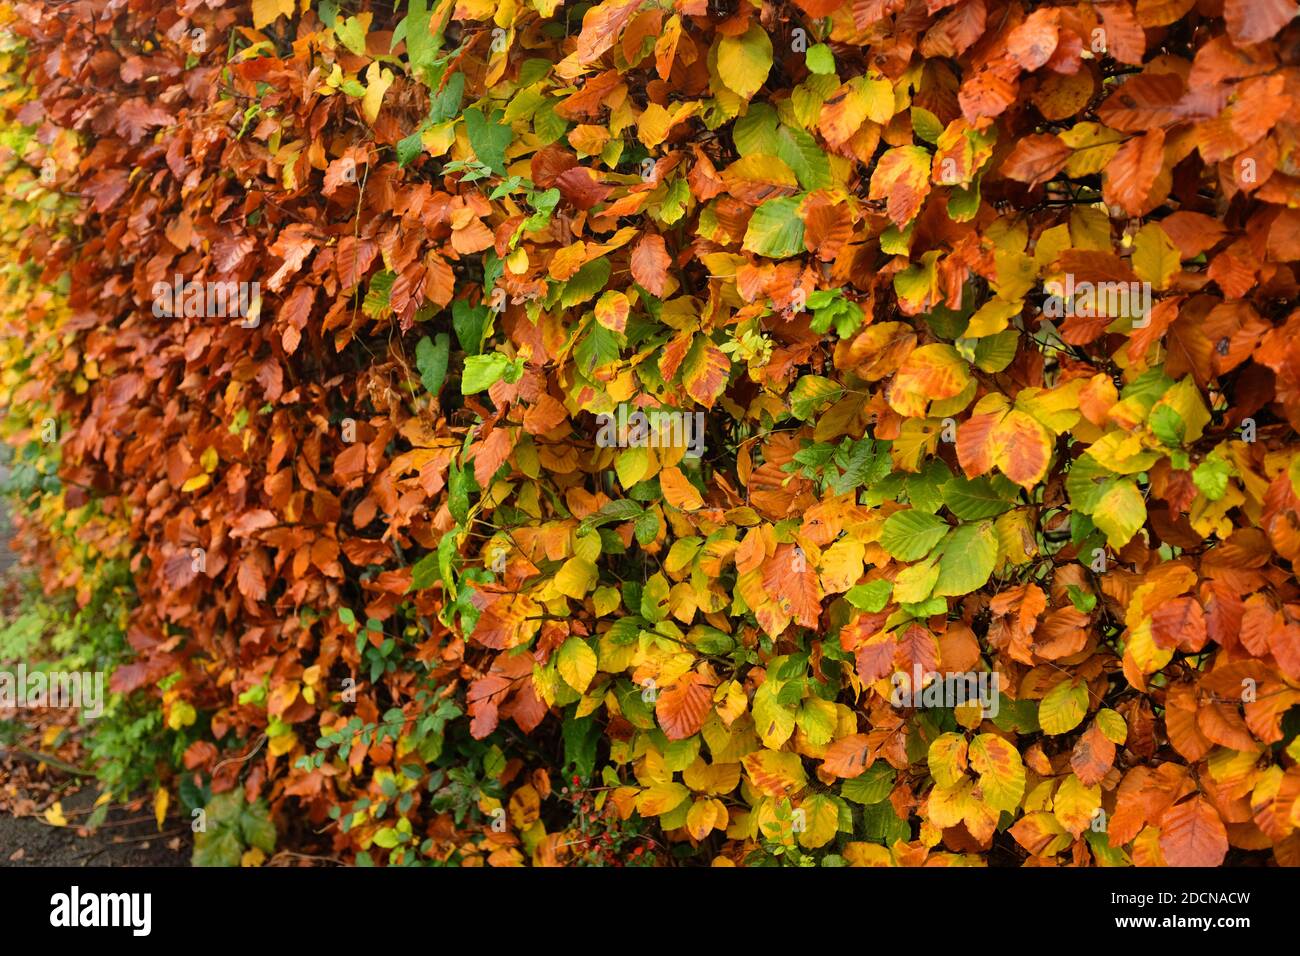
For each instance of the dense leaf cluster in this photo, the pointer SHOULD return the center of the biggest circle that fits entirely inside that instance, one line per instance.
(976, 324)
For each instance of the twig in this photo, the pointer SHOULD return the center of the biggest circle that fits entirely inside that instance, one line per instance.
(126, 842)
(44, 758)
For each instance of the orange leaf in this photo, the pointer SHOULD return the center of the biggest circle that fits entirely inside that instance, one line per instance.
(1191, 834)
(650, 263)
(849, 756)
(681, 708)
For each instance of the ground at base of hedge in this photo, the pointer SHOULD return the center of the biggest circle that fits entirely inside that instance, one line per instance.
(128, 837)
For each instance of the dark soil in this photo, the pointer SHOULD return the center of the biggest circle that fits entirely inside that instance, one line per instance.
(127, 837)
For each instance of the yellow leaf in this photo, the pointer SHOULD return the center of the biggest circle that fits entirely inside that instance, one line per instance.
(605, 600)
(948, 806)
(711, 778)
(841, 565)
(1112, 725)
(773, 721)
(1120, 513)
(820, 822)
(282, 744)
(867, 854)
(54, 815)
(1155, 257)
(775, 773)
(180, 714)
(253, 857)
(267, 11)
(1075, 804)
(1064, 706)
(161, 799)
(1141, 648)
(992, 317)
(732, 702)
(703, 818)
(931, 372)
(743, 62)
(947, 759)
(660, 799)
(577, 664)
(1002, 772)
(378, 81)
(437, 139)
(576, 578)
(195, 483)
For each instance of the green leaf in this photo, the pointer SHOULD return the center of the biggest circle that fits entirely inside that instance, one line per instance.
(1211, 477)
(352, 34)
(458, 488)
(598, 348)
(755, 132)
(912, 534)
(581, 736)
(446, 105)
(256, 826)
(1087, 483)
(926, 125)
(218, 846)
(431, 360)
(646, 528)
(820, 59)
(484, 371)
(488, 139)
(586, 282)
(425, 572)
(969, 557)
(801, 153)
(620, 509)
(870, 597)
(924, 489)
(1166, 425)
(872, 786)
(410, 147)
(468, 321)
(993, 353)
(1084, 601)
(812, 392)
(775, 230)
(423, 43)
(974, 498)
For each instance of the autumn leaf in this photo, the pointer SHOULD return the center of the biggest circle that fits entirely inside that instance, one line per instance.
(1192, 834)
(681, 708)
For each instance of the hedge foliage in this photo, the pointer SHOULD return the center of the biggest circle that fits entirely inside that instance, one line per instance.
(977, 323)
